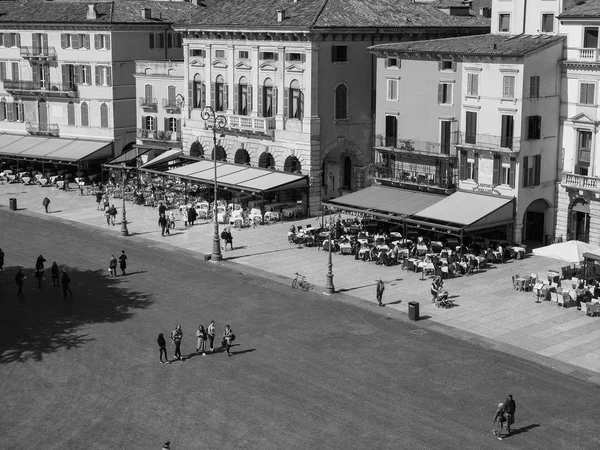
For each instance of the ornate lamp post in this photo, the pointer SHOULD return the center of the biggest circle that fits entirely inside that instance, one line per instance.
(329, 287)
(219, 122)
(124, 231)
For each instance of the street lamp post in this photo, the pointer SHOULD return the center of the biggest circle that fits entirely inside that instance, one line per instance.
(329, 287)
(124, 230)
(219, 122)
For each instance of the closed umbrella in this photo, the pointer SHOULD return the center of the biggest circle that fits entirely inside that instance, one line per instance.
(570, 252)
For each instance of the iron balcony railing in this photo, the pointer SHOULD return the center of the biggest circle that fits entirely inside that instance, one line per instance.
(171, 104)
(148, 102)
(40, 86)
(46, 129)
(38, 52)
(490, 142)
(159, 135)
(418, 146)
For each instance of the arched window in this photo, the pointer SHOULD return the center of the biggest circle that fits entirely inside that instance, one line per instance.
(341, 102)
(220, 94)
(196, 150)
(221, 155)
(71, 113)
(295, 101)
(198, 93)
(103, 116)
(148, 94)
(266, 160)
(267, 99)
(243, 93)
(242, 157)
(85, 121)
(292, 164)
(171, 94)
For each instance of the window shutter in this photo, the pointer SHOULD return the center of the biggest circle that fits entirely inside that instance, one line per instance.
(107, 41)
(65, 74)
(161, 40)
(301, 104)
(79, 74)
(287, 111)
(333, 53)
(2, 39)
(513, 168)
(10, 112)
(537, 169)
(476, 168)
(177, 125)
(97, 76)
(463, 165)
(179, 40)
(2, 70)
(225, 96)
(45, 40)
(191, 95)
(249, 99)
(236, 89)
(85, 41)
(275, 101)
(144, 123)
(3, 110)
(15, 71)
(440, 93)
(169, 40)
(7, 40)
(166, 128)
(496, 179)
(525, 169)
(18, 40)
(75, 41)
(260, 101)
(109, 76)
(151, 40)
(97, 41)
(64, 40)
(35, 72)
(213, 96)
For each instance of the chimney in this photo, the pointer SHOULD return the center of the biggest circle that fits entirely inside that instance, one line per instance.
(493, 46)
(146, 13)
(280, 15)
(91, 12)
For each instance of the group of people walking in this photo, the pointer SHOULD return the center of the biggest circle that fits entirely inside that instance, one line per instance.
(112, 267)
(57, 279)
(505, 417)
(202, 335)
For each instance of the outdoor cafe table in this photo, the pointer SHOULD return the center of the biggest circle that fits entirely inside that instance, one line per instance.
(345, 249)
(275, 207)
(383, 247)
(519, 252)
(520, 282)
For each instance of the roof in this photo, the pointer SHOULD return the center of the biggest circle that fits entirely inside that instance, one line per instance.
(112, 12)
(480, 45)
(53, 149)
(587, 9)
(316, 14)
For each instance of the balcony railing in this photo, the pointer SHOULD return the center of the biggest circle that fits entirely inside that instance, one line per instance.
(171, 105)
(582, 182)
(418, 147)
(46, 129)
(35, 52)
(159, 136)
(490, 142)
(247, 123)
(583, 54)
(40, 86)
(148, 103)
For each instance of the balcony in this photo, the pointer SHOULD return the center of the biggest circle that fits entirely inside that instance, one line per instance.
(38, 53)
(167, 138)
(36, 87)
(589, 55)
(580, 182)
(489, 142)
(40, 128)
(171, 106)
(148, 104)
(262, 125)
(418, 148)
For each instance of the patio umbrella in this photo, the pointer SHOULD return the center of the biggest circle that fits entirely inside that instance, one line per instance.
(570, 252)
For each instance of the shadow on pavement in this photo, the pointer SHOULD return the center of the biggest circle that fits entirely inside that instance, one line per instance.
(241, 352)
(44, 322)
(516, 431)
(394, 303)
(54, 212)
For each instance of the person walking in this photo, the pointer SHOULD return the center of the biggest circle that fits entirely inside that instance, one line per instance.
(227, 238)
(99, 200)
(112, 266)
(163, 224)
(509, 409)
(19, 277)
(201, 335)
(123, 261)
(39, 270)
(172, 220)
(1, 260)
(184, 213)
(166, 445)
(46, 203)
(177, 336)
(55, 274)
(211, 335)
(107, 214)
(501, 419)
(66, 280)
(228, 338)
(192, 215)
(162, 209)
(162, 346)
(380, 289)
(113, 214)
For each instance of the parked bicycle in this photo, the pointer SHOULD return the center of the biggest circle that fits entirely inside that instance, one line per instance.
(300, 283)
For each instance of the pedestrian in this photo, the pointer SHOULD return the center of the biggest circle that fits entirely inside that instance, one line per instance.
(162, 209)
(172, 220)
(99, 199)
(162, 345)
(509, 409)
(192, 214)
(211, 335)
(46, 203)
(105, 200)
(66, 280)
(380, 289)
(107, 214)
(228, 338)
(228, 238)
(501, 419)
(39, 269)
(166, 445)
(112, 266)
(185, 216)
(123, 261)
(113, 214)
(177, 336)
(19, 277)
(201, 335)
(1, 260)
(55, 273)
(163, 224)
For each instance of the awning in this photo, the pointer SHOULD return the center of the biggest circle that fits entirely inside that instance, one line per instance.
(385, 202)
(236, 176)
(129, 157)
(53, 149)
(466, 212)
(169, 155)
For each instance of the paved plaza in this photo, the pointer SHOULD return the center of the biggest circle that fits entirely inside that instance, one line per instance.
(488, 312)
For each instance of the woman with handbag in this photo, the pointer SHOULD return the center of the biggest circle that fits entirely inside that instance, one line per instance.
(228, 338)
(201, 335)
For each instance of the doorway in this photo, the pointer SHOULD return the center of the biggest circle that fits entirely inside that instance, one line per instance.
(42, 115)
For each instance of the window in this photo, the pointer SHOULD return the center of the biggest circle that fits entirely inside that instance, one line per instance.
(10, 39)
(532, 170)
(157, 40)
(71, 113)
(505, 175)
(169, 40)
(3, 70)
(339, 53)
(447, 65)
(392, 62)
(445, 93)
(392, 89)
(195, 52)
(149, 123)
(341, 102)
(198, 93)
(468, 166)
(391, 131)
(243, 54)
(102, 41)
(68, 76)
(504, 23)
(584, 148)
(103, 76)
(506, 132)
(242, 98)
(270, 56)
(296, 101)
(486, 12)
(219, 53)
(534, 129)
(174, 40)
(74, 41)
(3, 109)
(294, 57)
(267, 99)
(471, 128)
(15, 71)
(445, 133)
(547, 23)
(84, 75)
(41, 75)
(471, 169)
(220, 93)
(172, 124)
(178, 40)
(39, 42)
(590, 37)
(534, 86)
(148, 94)
(473, 84)
(85, 122)
(508, 87)
(587, 93)
(103, 116)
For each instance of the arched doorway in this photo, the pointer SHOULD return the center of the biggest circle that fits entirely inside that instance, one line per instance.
(534, 219)
(196, 150)
(221, 155)
(347, 174)
(292, 164)
(242, 157)
(579, 220)
(266, 160)
(42, 115)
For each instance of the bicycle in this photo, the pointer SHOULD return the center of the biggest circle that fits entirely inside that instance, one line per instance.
(300, 283)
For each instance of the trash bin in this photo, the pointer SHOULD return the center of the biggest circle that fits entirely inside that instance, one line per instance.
(413, 310)
(12, 202)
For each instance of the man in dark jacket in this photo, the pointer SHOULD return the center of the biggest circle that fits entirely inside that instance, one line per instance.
(509, 408)
(162, 345)
(380, 289)
(192, 215)
(164, 224)
(162, 210)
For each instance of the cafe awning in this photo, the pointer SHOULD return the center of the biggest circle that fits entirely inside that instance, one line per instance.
(466, 212)
(129, 158)
(385, 202)
(52, 149)
(163, 158)
(236, 176)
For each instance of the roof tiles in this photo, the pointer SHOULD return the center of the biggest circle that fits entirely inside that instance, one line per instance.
(587, 9)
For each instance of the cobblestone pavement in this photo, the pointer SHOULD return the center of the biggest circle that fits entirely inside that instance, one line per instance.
(487, 311)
